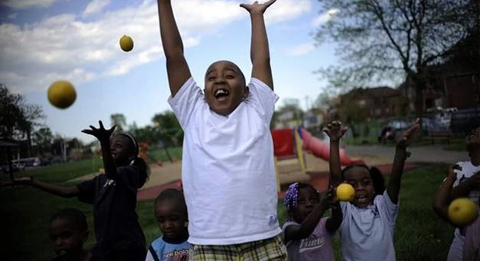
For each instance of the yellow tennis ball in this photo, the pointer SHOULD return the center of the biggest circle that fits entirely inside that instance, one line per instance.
(62, 94)
(126, 43)
(462, 212)
(345, 192)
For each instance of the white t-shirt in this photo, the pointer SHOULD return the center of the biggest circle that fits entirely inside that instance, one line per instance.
(367, 233)
(468, 170)
(228, 170)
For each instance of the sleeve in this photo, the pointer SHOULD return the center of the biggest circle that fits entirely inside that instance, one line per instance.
(389, 208)
(86, 190)
(459, 174)
(151, 255)
(184, 102)
(262, 98)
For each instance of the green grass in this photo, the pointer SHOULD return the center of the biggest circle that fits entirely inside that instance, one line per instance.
(25, 212)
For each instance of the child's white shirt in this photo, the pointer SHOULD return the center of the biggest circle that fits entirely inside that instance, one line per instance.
(228, 170)
(367, 233)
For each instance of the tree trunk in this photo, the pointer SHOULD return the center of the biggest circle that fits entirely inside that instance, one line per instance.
(29, 143)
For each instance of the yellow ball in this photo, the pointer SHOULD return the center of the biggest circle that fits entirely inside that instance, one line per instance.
(62, 94)
(126, 43)
(345, 192)
(462, 212)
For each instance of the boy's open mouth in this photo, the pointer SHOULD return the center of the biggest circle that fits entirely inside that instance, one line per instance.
(221, 94)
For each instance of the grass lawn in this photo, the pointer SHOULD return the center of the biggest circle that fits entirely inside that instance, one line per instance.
(25, 212)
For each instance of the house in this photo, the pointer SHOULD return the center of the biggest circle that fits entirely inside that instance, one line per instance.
(378, 102)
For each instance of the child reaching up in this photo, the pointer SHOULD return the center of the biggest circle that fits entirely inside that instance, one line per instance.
(366, 232)
(171, 215)
(308, 235)
(228, 170)
(113, 196)
(470, 234)
(467, 184)
(68, 232)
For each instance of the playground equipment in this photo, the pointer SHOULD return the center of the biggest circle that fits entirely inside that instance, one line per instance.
(290, 146)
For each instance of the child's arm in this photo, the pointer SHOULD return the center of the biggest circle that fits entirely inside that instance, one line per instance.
(442, 198)
(259, 52)
(305, 229)
(64, 192)
(335, 131)
(334, 222)
(177, 67)
(395, 181)
(103, 136)
(464, 188)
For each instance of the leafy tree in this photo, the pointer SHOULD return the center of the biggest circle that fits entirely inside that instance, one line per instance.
(393, 39)
(119, 120)
(43, 139)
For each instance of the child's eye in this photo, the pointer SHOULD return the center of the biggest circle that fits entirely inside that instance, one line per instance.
(211, 78)
(174, 218)
(229, 76)
(366, 182)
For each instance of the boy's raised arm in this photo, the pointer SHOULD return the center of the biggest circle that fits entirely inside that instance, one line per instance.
(442, 198)
(259, 51)
(177, 67)
(395, 181)
(335, 132)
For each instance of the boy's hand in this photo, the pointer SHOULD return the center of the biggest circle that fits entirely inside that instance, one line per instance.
(101, 133)
(409, 135)
(257, 8)
(334, 130)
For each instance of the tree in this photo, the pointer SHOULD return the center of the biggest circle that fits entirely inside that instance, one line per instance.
(351, 113)
(393, 39)
(167, 127)
(17, 119)
(43, 138)
(119, 120)
(11, 114)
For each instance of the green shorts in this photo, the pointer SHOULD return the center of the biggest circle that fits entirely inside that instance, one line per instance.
(272, 249)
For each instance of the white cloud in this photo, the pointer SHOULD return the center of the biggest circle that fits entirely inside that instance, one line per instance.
(66, 47)
(301, 49)
(325, 17)
(96, 6)
(23, 4)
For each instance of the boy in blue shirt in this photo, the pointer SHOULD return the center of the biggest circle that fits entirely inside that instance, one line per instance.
(171, 214)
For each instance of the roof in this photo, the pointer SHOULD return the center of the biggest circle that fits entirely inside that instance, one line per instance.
(377, 92)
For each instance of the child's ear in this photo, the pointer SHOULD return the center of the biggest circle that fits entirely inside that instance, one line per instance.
(246, 91)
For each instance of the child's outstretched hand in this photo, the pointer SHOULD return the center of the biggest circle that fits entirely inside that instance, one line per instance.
(257, 8)
(329, 200)
(409, 135)
(17, 181)
(101, 133)
(334, 130)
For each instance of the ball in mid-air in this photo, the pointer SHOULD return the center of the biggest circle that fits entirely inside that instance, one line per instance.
(126, 43)
(62, 94)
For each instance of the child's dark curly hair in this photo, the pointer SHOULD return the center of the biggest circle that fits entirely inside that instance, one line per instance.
(375, 174)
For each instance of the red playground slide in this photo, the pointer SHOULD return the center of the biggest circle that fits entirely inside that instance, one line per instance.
(321, 149)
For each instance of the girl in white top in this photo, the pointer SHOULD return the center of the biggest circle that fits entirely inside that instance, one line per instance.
(366, 232)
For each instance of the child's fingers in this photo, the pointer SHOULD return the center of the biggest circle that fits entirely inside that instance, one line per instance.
(101, 124)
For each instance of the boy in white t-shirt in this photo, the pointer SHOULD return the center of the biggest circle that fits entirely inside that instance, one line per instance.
(228, 170)
(466, 185)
